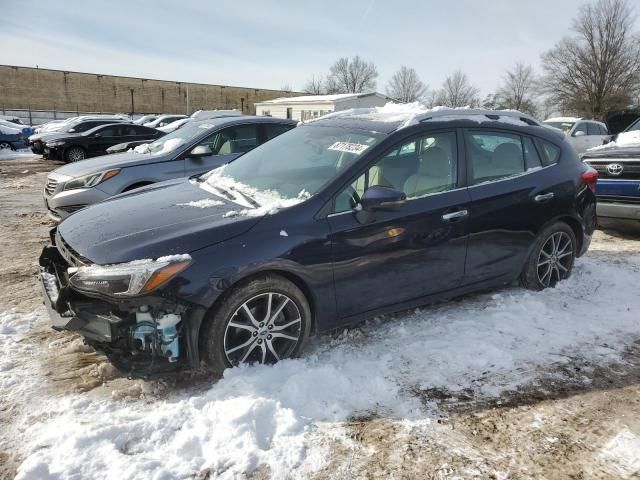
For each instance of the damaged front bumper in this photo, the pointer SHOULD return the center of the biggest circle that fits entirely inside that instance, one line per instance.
(141, 336)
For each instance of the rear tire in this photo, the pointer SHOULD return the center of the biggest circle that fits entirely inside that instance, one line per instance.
(75, 154)
(5, 146)
(551, 259)
(263, 321)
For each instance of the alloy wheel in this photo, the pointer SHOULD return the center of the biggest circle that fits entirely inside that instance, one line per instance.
(555, 259)
(264, 329)
(5, 146)
(76, 154)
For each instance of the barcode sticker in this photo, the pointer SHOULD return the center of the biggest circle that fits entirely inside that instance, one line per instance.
(347, 147)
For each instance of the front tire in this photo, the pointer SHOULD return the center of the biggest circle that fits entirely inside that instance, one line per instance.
(75, 154)
(263, 321)
(551, 259)
(5, 146)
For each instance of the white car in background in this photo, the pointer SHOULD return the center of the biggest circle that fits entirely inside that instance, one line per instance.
(164, 120)
(145, 119)
(174, 125)
(583, 134)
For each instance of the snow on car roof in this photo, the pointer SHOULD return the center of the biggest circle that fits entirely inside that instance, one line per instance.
(412, 113)
(563, 119)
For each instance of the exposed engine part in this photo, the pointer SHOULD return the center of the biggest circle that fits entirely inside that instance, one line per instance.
(157, 336)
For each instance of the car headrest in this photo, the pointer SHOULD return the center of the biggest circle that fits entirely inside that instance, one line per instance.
(434, 162)
(505, 153)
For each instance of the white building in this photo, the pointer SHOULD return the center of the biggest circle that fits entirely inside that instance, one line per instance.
(307, 107)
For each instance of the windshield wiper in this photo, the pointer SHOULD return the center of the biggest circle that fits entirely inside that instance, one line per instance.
(224, 192)
(247, 198)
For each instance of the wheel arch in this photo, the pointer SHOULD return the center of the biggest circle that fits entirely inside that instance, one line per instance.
(287, 275)
(575, 225)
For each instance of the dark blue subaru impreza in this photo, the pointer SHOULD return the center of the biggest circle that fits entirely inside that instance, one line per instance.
(359, 213)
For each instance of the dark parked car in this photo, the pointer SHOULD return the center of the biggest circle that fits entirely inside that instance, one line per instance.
(94, 142)
(11, 139)
(37, 141)
(337, 220)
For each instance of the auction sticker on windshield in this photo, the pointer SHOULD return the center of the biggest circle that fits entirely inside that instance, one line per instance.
(348, 147)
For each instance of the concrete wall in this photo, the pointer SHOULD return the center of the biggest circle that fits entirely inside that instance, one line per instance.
(41, 89)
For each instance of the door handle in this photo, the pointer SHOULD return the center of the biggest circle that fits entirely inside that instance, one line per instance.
(544, 197)
(453, 215)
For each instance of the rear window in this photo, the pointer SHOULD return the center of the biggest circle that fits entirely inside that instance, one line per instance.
(550, 153)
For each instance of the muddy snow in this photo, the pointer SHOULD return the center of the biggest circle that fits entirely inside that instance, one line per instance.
(502, 384)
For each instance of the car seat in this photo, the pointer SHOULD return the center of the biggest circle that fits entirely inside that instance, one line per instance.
(434, 174)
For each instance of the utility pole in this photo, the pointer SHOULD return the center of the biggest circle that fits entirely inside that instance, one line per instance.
(188, 108)
(133, 109)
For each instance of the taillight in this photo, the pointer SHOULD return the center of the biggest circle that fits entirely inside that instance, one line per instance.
(590, 177)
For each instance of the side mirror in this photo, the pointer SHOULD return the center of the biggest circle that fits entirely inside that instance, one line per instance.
(579, 133)
(200, 151)
(71, 130)
(382, 198)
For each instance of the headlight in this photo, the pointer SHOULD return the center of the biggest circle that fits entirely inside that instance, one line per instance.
(55, 143)
(127, 279)
(91, 180)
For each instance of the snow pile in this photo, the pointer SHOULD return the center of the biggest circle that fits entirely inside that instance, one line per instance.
(144, 148)
(624, 140)
(269, 201)
(204, 203)
(621, 454)
(284, 416)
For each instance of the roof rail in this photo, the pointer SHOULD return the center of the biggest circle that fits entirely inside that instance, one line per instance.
(465, 112)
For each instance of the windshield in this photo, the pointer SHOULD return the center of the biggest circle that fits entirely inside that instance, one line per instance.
(564, 126)
(173, 140)
(298, 163)
(634, 126)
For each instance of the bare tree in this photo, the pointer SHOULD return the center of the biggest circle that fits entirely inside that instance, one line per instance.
(456, 91)
(286, 88)
(405, 86)
(517, 89)
(597, 69)
(314, 86)
(351, 76)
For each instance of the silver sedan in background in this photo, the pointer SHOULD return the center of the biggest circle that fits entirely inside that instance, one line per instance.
(193, 149)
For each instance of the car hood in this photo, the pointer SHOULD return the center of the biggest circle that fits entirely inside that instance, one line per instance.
(623, 152)
(116, 160)
(152, 222)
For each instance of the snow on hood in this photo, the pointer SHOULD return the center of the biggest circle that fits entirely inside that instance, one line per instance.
(269, 201)
(168, 146)
(624, 140)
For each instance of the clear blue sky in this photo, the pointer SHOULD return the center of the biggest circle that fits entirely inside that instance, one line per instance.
(272, 43)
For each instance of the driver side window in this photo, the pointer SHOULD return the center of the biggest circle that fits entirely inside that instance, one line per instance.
(421, 166)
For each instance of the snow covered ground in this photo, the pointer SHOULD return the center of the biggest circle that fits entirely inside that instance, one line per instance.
(288, 416)
(358, 402)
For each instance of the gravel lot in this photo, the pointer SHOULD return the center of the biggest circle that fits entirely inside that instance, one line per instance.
(568, 417)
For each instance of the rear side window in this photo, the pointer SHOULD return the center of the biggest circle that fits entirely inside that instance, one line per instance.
(272, 131)
(581, 127)
(494, 156)
(550, 154)
(531, 157)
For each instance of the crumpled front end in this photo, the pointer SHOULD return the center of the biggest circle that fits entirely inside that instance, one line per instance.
(142, 335)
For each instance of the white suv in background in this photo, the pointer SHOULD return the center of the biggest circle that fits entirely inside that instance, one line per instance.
(582, 134)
